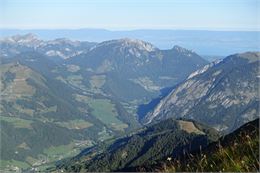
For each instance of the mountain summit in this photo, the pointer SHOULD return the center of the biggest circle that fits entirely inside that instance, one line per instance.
(130, 44)
(29, 40)
(57, 49)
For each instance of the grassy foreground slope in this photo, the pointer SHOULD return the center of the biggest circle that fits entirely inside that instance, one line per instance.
(236, 152)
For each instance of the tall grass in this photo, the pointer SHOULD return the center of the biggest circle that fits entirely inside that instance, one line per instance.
(238, 154)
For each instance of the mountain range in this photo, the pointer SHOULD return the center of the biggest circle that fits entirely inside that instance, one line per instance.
(60, 48)
(222, 95)
(213, 43)
(78, 95)
(111, 105)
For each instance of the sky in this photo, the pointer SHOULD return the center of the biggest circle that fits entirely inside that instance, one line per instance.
(131, 14)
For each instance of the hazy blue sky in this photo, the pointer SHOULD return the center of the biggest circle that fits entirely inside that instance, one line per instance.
(131, 14)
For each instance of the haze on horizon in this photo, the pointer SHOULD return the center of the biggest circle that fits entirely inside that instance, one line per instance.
(129, 15)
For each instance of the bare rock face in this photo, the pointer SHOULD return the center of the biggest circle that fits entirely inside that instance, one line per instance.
(223, 94)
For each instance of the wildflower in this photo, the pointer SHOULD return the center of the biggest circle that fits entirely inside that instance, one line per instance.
(169, 159)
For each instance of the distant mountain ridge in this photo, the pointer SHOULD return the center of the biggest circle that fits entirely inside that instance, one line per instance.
(59, 48)
(215, 43)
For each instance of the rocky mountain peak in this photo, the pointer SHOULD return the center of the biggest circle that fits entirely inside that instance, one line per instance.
(250, 56)
(180, 49)
(142, 45)
(28, 40)
(127, 43)
(60, 41)
(23, 38)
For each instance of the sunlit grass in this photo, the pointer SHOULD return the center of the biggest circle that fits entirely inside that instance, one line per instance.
(239, 155)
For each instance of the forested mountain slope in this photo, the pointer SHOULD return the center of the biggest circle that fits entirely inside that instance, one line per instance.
(235, 152)
(146, 146)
